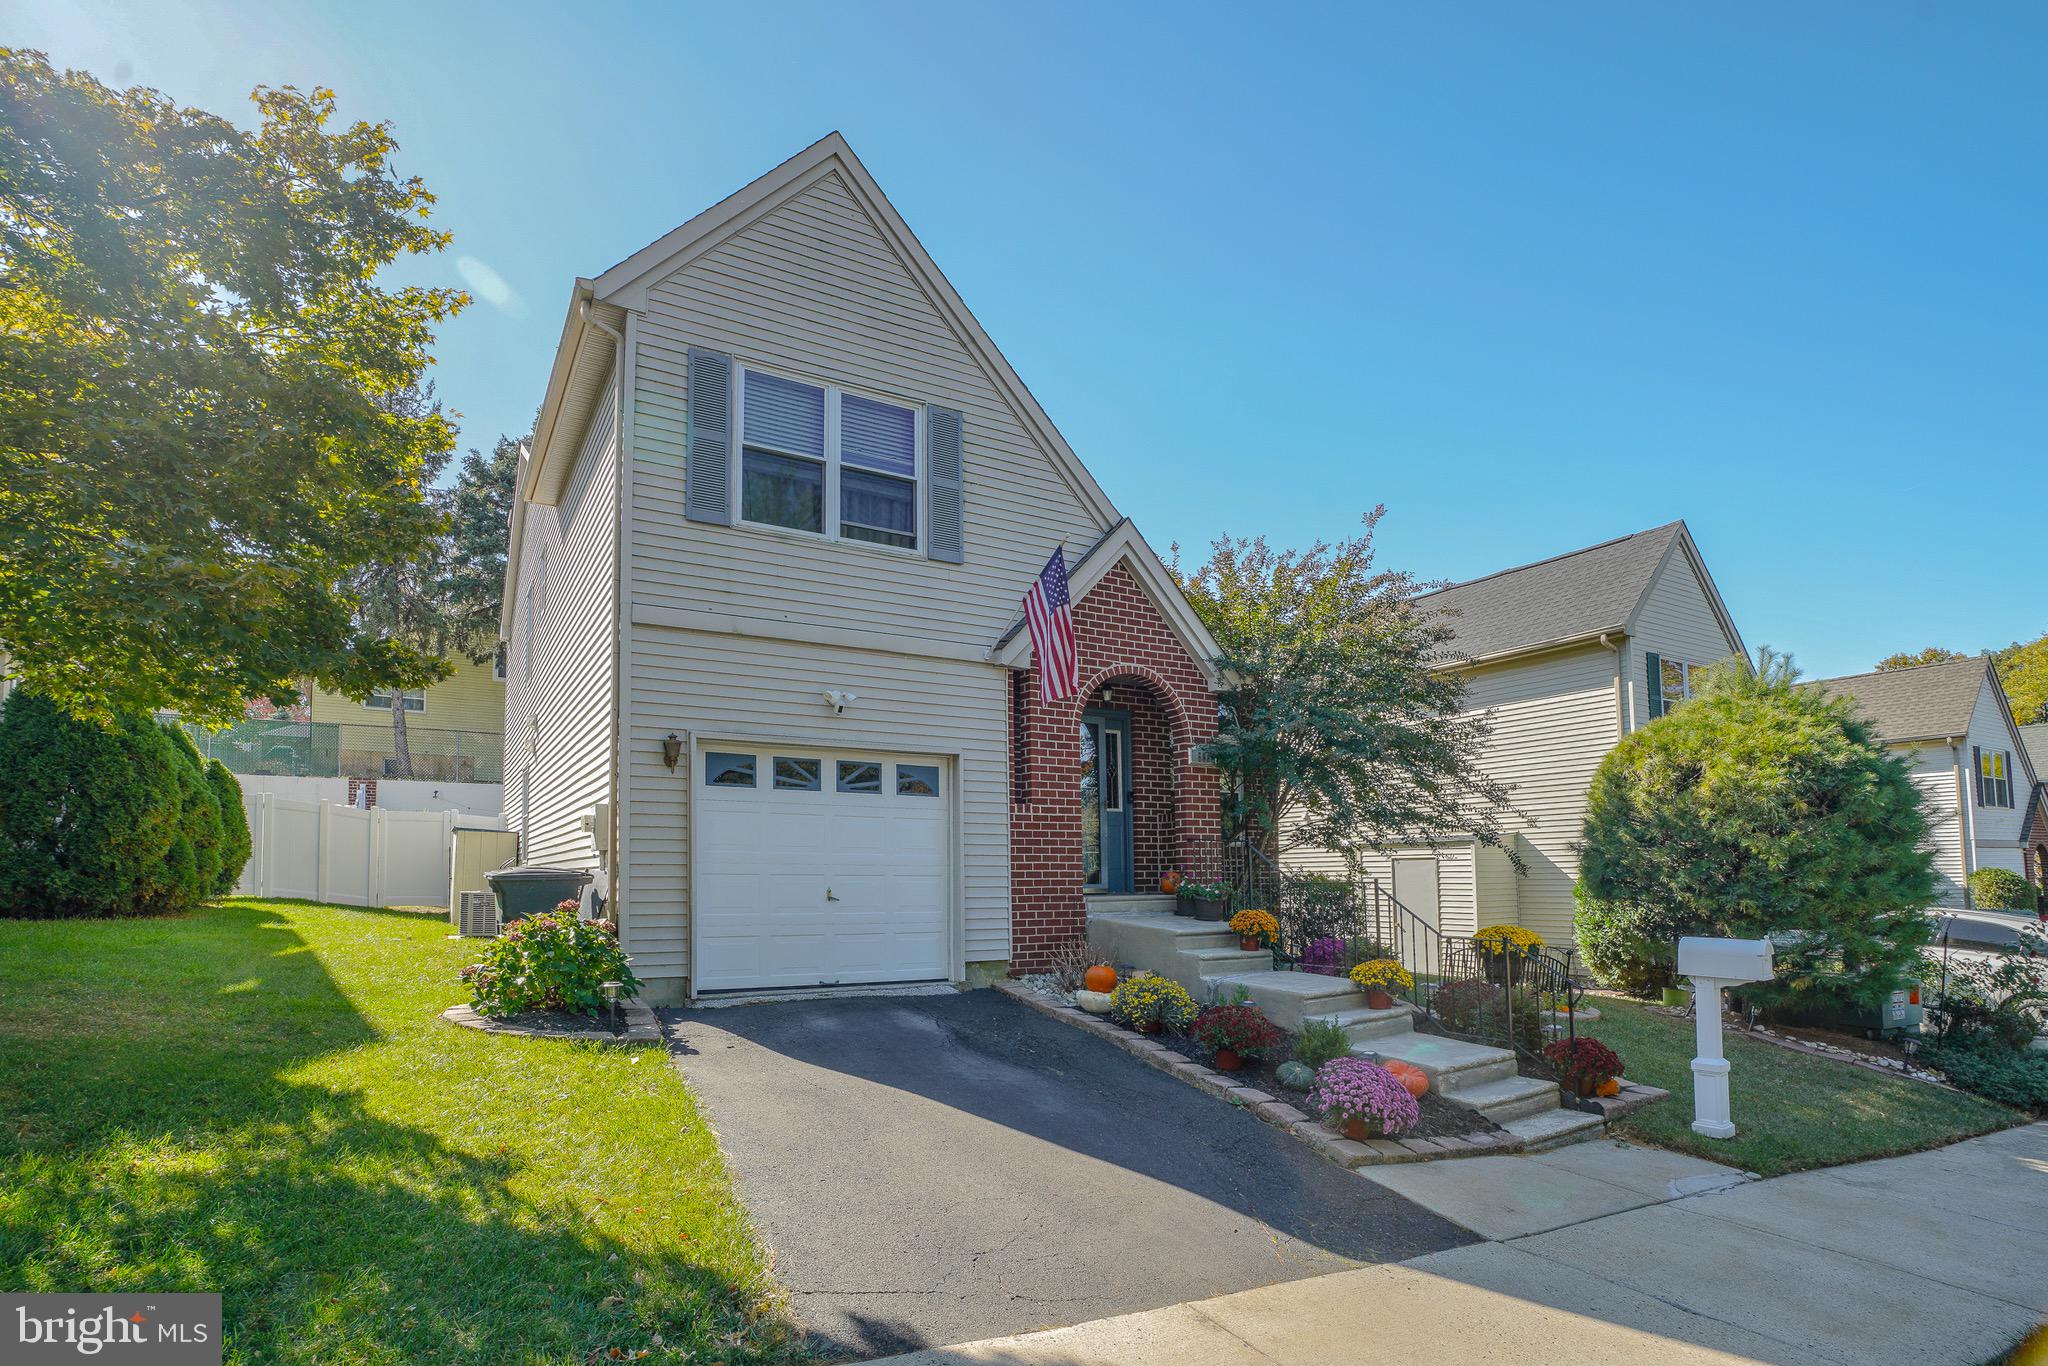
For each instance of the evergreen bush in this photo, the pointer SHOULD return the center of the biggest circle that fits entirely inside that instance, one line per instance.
(2001, 889)
(235, 842)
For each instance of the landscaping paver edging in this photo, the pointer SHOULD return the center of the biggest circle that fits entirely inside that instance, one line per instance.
(642, 1026)
(1328, 1143)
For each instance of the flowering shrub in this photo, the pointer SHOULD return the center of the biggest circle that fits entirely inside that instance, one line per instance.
(1259, 925)
(1243, 1030)
(551, 961)
(1352, 1088)
(1503, 939)
(1148, 1000)
(1382, 974)
(1323, 955)
(1583, 1062)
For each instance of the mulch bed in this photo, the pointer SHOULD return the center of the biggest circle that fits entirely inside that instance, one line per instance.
(634, 1023)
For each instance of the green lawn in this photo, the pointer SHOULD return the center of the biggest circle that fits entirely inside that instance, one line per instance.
(258, 1100)
(1792, 1110)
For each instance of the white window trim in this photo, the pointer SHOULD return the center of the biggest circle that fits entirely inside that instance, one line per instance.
(833, 392)
(374, 704)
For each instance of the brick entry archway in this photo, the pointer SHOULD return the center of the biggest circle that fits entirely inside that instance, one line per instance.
(1130, 653)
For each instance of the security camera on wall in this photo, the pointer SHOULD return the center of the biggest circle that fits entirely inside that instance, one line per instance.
(839, 701)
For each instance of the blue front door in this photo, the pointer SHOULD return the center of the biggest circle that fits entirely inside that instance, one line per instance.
(1106, 800)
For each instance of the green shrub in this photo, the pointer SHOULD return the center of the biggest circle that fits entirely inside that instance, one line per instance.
(1320, 1041)
(552, 961)
(89, 816)
(1760, 807)
(2001, 889)
(2011, 1076)
(197, 851)
(235, 842)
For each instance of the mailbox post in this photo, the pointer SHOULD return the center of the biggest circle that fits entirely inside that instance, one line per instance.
(1713, 964)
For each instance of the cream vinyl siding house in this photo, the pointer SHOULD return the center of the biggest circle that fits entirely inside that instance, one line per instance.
(826, 499)
(1952, 725)
(1558, 657)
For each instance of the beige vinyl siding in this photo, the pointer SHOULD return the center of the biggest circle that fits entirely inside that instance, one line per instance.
(1997, 829)
(1454, 874)
(560, 698)
(1553, 720)
(1675, 621)
(1933, 770)
(704, 685)
(813, 289)
(1496, 893)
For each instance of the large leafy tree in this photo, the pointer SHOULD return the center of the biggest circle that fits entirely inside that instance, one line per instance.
(1933, 654)
(2023, 668)
(1343, 726)
(195, 349)
(1759, 807)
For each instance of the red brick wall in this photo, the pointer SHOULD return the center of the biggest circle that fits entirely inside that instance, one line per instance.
(2036, 840)
(1125, 644)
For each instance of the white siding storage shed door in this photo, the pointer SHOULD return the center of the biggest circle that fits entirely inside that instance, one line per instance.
(821, 867)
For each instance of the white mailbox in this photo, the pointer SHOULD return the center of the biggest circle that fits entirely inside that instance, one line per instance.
(1713, 964)
(1725, 960)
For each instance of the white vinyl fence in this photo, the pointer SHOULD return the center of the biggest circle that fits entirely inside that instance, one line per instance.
(325, 851)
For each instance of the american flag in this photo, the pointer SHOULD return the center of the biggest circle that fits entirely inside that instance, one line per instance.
(1050, 614)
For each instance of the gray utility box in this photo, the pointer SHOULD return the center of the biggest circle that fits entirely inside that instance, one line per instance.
(529, 891)
(1900, 1013)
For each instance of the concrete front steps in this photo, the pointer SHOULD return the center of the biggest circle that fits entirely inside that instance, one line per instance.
(1204, 957)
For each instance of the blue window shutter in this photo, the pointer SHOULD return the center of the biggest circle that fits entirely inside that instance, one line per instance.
(1656, 671)
(707, 495)
(946, 458)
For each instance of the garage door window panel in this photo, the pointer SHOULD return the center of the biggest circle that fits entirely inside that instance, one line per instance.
(797, 775)
(728, 770)
(860, 775)
(917, 780)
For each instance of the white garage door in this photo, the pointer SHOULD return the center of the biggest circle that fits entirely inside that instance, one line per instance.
(820, 867)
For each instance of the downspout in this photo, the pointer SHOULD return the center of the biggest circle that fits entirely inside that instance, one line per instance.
(1620, 687)
(1968, 811)
(619, 476)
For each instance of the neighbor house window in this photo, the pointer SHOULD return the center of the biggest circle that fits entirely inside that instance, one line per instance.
(1994, 777)
(1678, 681)
(498, 662)
(816, 458)
(415, 700)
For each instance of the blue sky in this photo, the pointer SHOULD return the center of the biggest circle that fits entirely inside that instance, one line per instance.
(1533, 276)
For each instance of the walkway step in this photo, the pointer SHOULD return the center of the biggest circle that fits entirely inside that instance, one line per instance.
(1228, 959)
(1555, 1129)
(1510, 1098)
(1363, 1025)
(1288, 998)
(1098, 902)
(1451, 1063)
(1151, 939)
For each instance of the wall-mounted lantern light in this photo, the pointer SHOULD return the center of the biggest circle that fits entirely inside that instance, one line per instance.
(671, 751)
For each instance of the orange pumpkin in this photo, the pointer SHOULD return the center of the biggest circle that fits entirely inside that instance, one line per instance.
(1101, 977)
(1610, 1087)
(1169, 884)
(1409, 1075)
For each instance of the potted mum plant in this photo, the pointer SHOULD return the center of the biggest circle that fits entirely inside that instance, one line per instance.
(1497, 944)
(1151, 1004)
(1234, 1034)
(1255, 929)
(1363, 1100)
(1379, 979)
(1585, 1065)
(1205, 900)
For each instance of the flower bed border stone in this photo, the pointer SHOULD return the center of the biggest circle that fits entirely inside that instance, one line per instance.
(1326, 1142)
(642, 1026)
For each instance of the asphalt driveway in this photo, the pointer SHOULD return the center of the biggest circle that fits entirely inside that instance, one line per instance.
(933, 1169)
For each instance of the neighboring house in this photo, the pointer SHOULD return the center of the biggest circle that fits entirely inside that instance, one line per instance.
(1564, 657)
(454, 729)
(2034, 740)
(1951, 723)
(768, 552)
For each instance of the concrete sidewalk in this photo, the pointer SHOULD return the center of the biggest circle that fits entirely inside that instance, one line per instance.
(1595, 1255)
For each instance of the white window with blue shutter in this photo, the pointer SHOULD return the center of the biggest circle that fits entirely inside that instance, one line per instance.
(819, 459)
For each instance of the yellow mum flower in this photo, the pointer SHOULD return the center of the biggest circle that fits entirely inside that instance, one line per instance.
(1258, 924)
(1508, 939)
(1382, 974)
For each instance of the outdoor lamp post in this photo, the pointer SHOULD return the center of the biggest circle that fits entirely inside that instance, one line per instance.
(1713, 964)
(611, 998)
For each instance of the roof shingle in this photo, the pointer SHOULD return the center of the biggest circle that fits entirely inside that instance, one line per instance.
(1925, 702)
(1568, 597)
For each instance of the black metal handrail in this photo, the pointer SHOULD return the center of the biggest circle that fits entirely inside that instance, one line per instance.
(1329, 920)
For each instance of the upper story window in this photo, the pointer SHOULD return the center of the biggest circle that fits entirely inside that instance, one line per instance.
(1678, 680)
(415, 699)
(1994, 777)
(818, 459)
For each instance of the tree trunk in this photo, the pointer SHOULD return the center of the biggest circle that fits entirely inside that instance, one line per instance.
(401, 745)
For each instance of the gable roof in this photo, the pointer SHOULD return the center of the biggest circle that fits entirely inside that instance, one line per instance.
(1925, 702)
(625, 288)
(2034, 739)
(1122, 544)
(1579, 595)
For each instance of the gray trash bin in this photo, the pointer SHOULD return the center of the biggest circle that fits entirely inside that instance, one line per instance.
(529, 891)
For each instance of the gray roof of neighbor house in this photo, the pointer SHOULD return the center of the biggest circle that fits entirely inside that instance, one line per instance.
(2035, 738)
(1925, 702)
(1567, 597)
